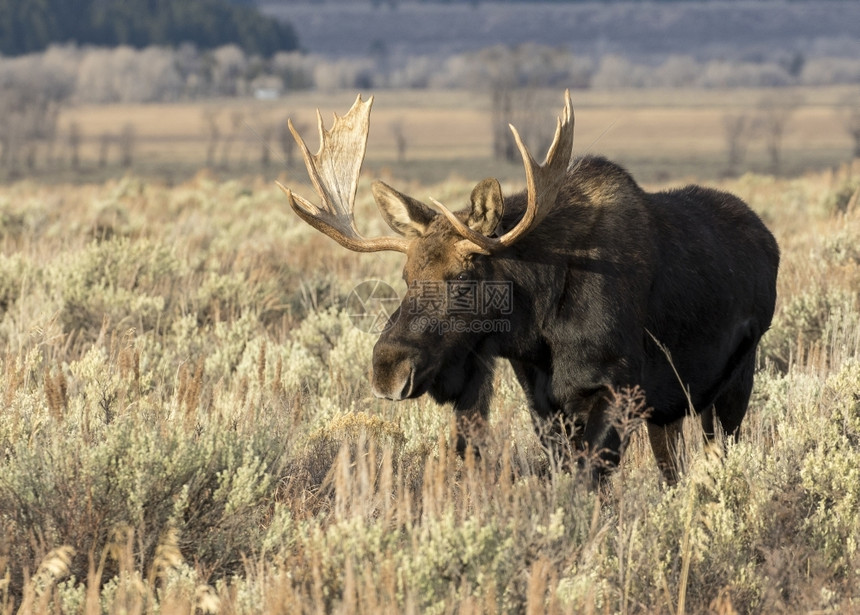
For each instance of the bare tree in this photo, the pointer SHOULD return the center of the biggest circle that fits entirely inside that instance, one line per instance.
(30, 103)
(213, 134)
(773, 116)
(286, 141)
(74, 141)
(33, 89)
(229, 65)
(381, 55)
(50, 133)
(524, 107)
(237, 120)
(400, 143)
(531, 108)
(737, 129)
(8, 133)
(515, 78)
(265, 132)
(104, 148)
(38, 124)
(501, 94)
(126, 141)
(266, 147)
(851, 121)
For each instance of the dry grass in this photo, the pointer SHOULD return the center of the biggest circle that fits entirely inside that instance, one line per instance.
(186, 425)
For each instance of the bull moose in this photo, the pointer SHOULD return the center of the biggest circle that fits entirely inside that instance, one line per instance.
(607, 286)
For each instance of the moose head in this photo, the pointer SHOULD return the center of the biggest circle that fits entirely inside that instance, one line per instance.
(447, 254)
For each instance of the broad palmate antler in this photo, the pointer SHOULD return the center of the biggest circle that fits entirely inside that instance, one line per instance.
(334, 172)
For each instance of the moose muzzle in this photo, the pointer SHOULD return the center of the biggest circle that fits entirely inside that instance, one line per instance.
(394, 371)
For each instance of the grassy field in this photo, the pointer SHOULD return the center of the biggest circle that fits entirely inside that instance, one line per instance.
(658, 134)
(187, 423)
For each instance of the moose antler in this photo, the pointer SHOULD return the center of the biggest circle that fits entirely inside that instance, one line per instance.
(542, 184)
(334, 172)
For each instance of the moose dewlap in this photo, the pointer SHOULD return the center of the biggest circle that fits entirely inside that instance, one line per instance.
(599, 285)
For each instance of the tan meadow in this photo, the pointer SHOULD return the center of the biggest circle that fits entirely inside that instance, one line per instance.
(187, 426)
(659, 134)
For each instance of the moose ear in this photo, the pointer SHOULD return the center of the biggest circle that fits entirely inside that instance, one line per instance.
(487, 207)
(405, 215)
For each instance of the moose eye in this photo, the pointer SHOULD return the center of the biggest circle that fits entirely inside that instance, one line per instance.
(462, 276)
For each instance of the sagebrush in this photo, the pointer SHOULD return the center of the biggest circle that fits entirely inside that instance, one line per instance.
(187, 424)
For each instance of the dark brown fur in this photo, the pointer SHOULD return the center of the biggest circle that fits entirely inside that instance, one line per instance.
(611, 271)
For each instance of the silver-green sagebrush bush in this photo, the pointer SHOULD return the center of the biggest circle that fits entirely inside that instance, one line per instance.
(186, 423)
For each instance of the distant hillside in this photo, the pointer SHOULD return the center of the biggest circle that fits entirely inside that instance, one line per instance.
(647, 32)
(26, 27)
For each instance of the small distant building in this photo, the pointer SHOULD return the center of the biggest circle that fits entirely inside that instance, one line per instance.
(267, 93)
(267, 87)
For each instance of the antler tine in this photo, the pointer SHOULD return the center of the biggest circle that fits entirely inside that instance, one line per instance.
(542, 184)
(334, 172)
(544, 181)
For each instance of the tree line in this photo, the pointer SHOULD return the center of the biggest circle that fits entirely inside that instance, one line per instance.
(31, 26)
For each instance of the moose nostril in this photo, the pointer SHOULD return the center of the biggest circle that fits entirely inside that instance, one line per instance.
(393, 376)
(408, 383)
(395, 384)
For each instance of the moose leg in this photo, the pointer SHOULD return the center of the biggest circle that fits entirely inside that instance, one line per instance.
(601, 442)
(709, 431)
(471, 407)
(708, 426)
(666, 441)
(731, 405)
(471, 430)
(554, 430)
